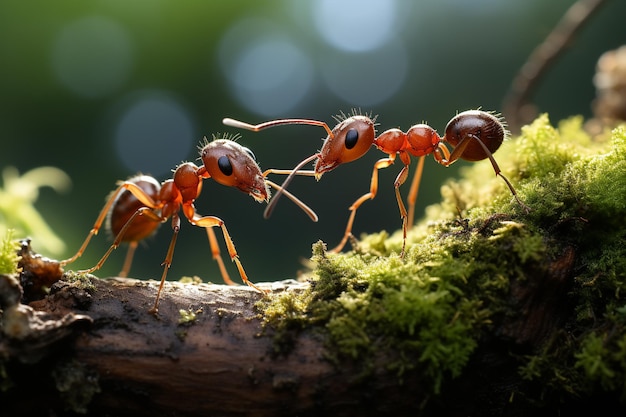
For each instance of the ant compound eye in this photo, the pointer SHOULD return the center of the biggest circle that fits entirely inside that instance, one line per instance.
(224, 165)
(352, 137)
(249, 152)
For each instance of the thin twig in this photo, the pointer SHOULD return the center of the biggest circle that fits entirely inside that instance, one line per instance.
(516, 106)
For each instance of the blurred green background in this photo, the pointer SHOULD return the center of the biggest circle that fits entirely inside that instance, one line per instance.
(105, 89)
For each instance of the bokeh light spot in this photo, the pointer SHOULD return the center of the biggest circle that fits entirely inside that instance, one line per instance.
(268, 73)
(367, 79)
(355, 25)
(154, 134)
(92, 56)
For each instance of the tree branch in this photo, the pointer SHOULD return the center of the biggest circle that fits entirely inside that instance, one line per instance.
(213, 358)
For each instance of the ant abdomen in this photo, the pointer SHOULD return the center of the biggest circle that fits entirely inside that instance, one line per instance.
(125, 206)
(486, 127)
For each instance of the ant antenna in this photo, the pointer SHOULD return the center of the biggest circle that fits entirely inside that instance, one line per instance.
(282, 190)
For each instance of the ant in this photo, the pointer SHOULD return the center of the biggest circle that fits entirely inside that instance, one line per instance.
(140, 204)
(474, 135)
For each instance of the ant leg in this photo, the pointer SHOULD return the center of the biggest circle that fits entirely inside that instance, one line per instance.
(381, 163)
(415, 184)
(167, 262)
(217, 256)
(400, 179)
(132, 246)
(143, 211)
(499, 173)
(137, 192)
(442, 155)
(458, 151)
(212, 221)
(95, 228)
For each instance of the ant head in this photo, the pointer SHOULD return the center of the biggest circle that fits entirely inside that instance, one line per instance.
(233, 165)
(488, 128)
(350, 140)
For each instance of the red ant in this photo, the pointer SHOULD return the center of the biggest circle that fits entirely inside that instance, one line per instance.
(140, 204)
(474, 134)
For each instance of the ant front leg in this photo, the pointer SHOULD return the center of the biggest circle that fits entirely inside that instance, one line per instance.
(167, 263)
(209, 222)
(381, 163)
(217, 255)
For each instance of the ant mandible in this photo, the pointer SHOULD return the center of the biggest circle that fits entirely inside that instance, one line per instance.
(140, 204)
(474, 134)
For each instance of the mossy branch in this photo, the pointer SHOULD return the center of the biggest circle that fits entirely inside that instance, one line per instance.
(493, 310)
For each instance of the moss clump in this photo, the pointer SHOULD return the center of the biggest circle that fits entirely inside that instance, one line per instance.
(80, 280)
(186, 317)
(9, 258)
(76, 384)
(467, 280)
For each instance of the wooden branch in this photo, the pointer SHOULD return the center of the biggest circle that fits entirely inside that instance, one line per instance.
(215, 358)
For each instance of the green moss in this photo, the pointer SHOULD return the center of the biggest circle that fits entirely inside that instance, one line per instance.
(76, 384)
(186, 317)
(190, 280)
(595, 361)
(80, 280)
(429, 311)
(8, 254)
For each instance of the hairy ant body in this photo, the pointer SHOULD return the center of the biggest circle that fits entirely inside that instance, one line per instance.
(139, 205)
(473, 134)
